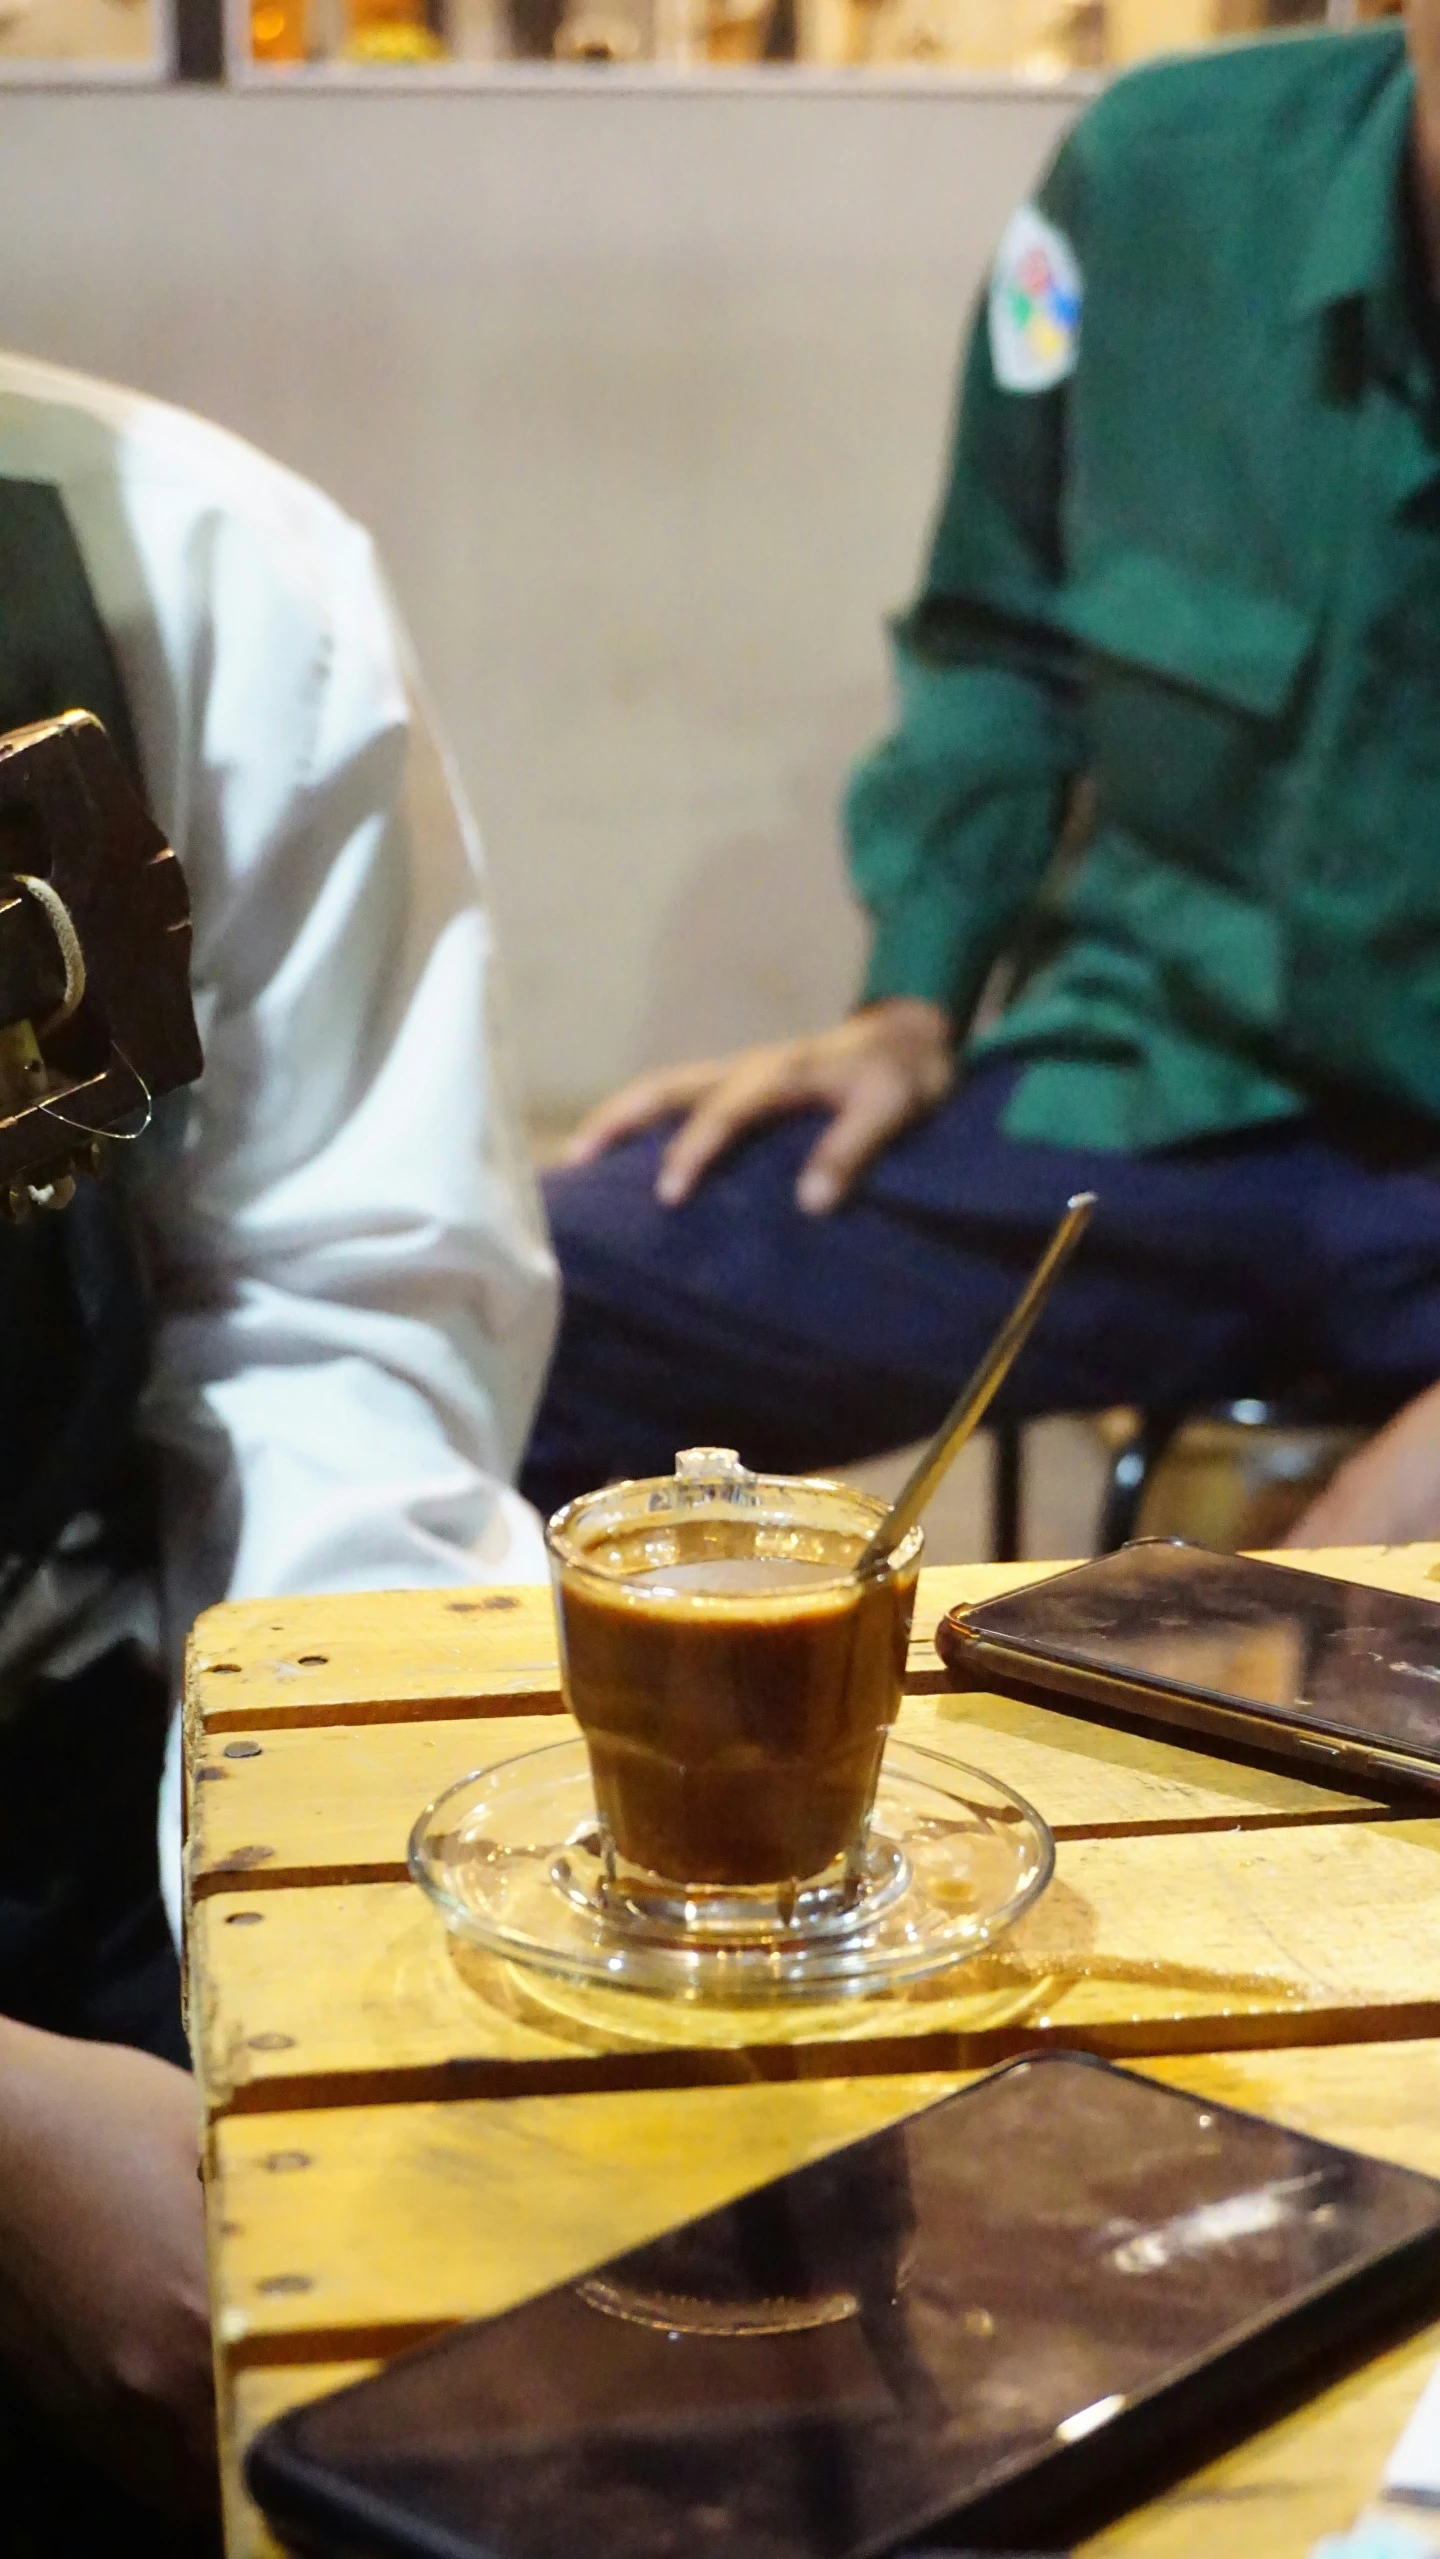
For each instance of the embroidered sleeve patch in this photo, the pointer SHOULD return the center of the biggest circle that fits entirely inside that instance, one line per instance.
(1035, 300)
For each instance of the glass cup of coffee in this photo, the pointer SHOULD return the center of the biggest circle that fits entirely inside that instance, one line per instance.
(734, 1683)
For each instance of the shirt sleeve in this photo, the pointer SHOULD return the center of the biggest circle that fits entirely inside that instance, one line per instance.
(354, 1292)
(952, 821)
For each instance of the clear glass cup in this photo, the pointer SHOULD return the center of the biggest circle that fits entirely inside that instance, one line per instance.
(734, 1684)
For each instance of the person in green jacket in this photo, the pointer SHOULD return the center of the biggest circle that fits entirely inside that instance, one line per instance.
(1168, 754)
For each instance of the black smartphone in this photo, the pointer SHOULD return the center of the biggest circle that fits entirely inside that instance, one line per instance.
(967, 2321)
(1293, 1665)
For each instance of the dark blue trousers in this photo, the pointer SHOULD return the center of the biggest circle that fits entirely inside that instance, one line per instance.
(1252, 1264)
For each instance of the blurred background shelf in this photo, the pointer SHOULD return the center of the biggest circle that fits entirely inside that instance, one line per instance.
(96, 43)
(1044, 42)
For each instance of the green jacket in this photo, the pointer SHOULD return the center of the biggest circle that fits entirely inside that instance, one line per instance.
(1200, 571)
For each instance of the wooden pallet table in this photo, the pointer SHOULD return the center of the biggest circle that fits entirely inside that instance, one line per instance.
(401, 2135)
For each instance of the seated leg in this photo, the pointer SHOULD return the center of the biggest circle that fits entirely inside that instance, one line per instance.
(811, 1342)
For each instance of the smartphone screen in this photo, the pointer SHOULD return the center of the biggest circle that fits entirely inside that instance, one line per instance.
(835, 2362)
(1323, 1655)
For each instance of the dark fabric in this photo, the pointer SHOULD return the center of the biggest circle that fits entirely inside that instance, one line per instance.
(74, 1353)
(78, 1913)
(84, 1944)
(74, 1318)
(53, 2505)
(84, 1950)
(1240, 1266)
(73, 1313)
(55, 652)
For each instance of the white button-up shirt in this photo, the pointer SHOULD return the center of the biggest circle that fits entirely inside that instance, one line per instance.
(354, 1293)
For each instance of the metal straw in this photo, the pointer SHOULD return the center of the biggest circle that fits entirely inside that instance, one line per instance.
(974, 1400)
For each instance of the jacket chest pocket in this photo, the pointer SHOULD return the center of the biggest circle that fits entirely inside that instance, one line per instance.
(1191, 691)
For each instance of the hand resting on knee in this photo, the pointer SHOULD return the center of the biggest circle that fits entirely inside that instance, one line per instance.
(875, 1072)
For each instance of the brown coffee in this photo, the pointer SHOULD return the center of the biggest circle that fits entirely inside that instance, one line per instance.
(734, 1703)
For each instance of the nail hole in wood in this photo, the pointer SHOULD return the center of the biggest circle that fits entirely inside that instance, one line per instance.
(312, 1661)
(226, 1666)
(243, 1918)
(286, 2283)
(280, 2160)
(270, 2043)
(242, 1750)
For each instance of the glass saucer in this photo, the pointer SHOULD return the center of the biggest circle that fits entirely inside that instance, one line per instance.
(510, 1856)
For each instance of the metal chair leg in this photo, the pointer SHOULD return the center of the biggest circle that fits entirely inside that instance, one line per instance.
(1129, 1475)
(1006, 1491)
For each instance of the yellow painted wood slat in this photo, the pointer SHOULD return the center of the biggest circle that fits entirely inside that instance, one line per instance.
(348, 2230)
(369, 1657)
(335, 1803)
(385, 1656)
(1166, 1943)
(351, 2231)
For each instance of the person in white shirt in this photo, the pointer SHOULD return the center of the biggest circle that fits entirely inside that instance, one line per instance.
(353, 1295)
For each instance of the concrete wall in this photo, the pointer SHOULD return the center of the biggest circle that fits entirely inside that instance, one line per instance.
(644, 395)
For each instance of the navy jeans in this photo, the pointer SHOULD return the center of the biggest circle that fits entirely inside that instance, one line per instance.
(1244, 1265)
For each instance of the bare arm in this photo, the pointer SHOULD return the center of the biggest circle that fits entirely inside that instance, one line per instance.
(1389, 1493)
(103, 2309)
